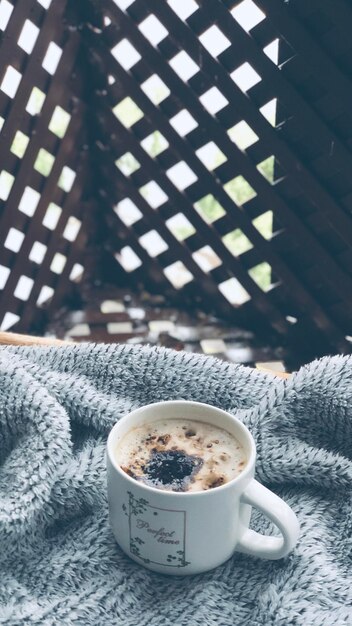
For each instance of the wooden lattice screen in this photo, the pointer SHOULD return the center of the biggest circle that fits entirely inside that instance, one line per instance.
(218, 138)
(42, 161)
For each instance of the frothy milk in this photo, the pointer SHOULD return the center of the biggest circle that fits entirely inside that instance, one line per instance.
(181, 455)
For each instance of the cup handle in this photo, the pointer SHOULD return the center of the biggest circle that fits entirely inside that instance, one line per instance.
(278, 512)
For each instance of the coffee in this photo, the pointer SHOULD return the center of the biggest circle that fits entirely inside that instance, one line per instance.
(181, 455)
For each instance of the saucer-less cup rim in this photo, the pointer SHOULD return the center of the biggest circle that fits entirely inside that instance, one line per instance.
(251, 491)
(244, 434)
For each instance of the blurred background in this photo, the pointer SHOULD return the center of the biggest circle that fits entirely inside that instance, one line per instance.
(178, 173)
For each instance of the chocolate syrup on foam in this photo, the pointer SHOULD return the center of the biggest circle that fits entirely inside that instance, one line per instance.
(181, 455)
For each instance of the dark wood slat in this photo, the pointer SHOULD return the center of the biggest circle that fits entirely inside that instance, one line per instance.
(282, 16)
(338, 12)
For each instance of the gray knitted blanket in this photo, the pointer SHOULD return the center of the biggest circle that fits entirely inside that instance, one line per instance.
(59, 563)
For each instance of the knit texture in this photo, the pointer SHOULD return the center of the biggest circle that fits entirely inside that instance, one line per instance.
(59, 562)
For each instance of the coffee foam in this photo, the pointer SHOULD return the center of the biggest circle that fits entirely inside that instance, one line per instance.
(219, 455)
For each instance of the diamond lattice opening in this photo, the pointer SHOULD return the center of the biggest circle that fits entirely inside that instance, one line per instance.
(233, 291)
(183, 9)
(29, 201)
(4, 274)
(44, 162)
(153, 194)
(127, 164)
(184, 66)
(155, 89)
(242, 135)
(237, 242)
(178, 274)
(14, 240)
(6, 183)
(52, 216)
(247, 14)
(127, 112)
(214, 41)
(213, 100)
(123, 4)
(59, 122)
(23, 288)
(35, 101)
(183, 122)
(52, 58)
(6, 9)
(264, 224)
(211, 156)
(76, 273)
(209, 208)
(153, 243)
(239, 190)
(19, 144)
(28, 36)
(45, 3)
(128, 259)
(272, 51)
(268, 111)
(206, 258)
(180, 226)
(72, 228)
(245, 77)
(9, 320)
(128, 212)
(37, 252)
(125, 54)
(67, 178)
(266, 168)
(154, 144)
(11, 81)
(181, 175)
(45, 295)
(261, 274)
(58, 263)
(153, 30)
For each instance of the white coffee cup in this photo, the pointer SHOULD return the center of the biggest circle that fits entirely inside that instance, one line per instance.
(192, 532)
